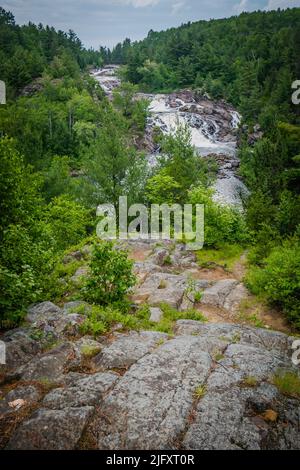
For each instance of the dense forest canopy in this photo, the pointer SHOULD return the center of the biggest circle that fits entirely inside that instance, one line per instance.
(64, 148)
(26, 51)
(251, 60)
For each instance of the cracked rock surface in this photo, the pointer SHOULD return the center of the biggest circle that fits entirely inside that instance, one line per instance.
(154, 401)
(207, 386)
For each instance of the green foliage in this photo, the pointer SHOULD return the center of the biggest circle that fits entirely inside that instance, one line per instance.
(250, 59)
(162, 189)
(68, 221)
(19, 198)
(111, 275)
(23, 256)
(278, 280)
(112, 166)
(17, 290)
(223, 254)
(180, 162)
(63, 65)
(57, 178)
(287, 383)
(31, 234)
(134, 110)
(101, 319)
(178, 170)
(60, 119)
(199, 392)
(222, 223)
(26, 51)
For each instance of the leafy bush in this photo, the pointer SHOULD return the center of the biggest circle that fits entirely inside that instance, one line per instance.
(17, 290)
(183, 167)
(68, 221)
(222, 223)
(100, 320)
(279, 279)
(162, 189)
(111, 275)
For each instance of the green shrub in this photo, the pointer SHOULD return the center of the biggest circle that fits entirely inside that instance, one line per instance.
(67, 220)
(25, 262)
(110, 276)
(162, 189)
(17, 291)
(99, 320)
(223, 254)
(279, 279)
(222, 223)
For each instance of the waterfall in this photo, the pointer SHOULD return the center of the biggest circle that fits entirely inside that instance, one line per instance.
(212, 126)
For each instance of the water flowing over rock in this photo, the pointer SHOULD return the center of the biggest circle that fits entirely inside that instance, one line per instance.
(213, 126)
(107, 78)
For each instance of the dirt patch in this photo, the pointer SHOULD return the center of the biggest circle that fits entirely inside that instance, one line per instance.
(240, 267)
(214, 314)
(275, 320)
(254, 312)
(214, 274)
(139, 255)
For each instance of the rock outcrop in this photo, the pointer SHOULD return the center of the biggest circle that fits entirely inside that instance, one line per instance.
(207, 386)
(190, 391)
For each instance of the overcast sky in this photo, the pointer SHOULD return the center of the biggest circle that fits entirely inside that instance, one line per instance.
(107, 22)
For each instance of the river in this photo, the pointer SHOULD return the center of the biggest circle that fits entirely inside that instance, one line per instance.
(213, 126)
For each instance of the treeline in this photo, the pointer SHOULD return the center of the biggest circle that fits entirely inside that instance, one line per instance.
(63, 149)
(251, 60)
(27, 51)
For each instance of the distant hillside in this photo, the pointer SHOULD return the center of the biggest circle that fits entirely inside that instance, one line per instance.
(27, 51)
(250, 59)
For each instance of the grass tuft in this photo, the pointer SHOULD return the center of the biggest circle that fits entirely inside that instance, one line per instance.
(288, 383)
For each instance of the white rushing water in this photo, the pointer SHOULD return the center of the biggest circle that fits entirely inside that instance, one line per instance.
(107, 78)
(212, 127)
(205, 136)
(203, 132)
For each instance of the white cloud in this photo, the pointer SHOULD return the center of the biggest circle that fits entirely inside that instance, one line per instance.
(140, 3)
(240, 7)
(177, 6)
(274, 4)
